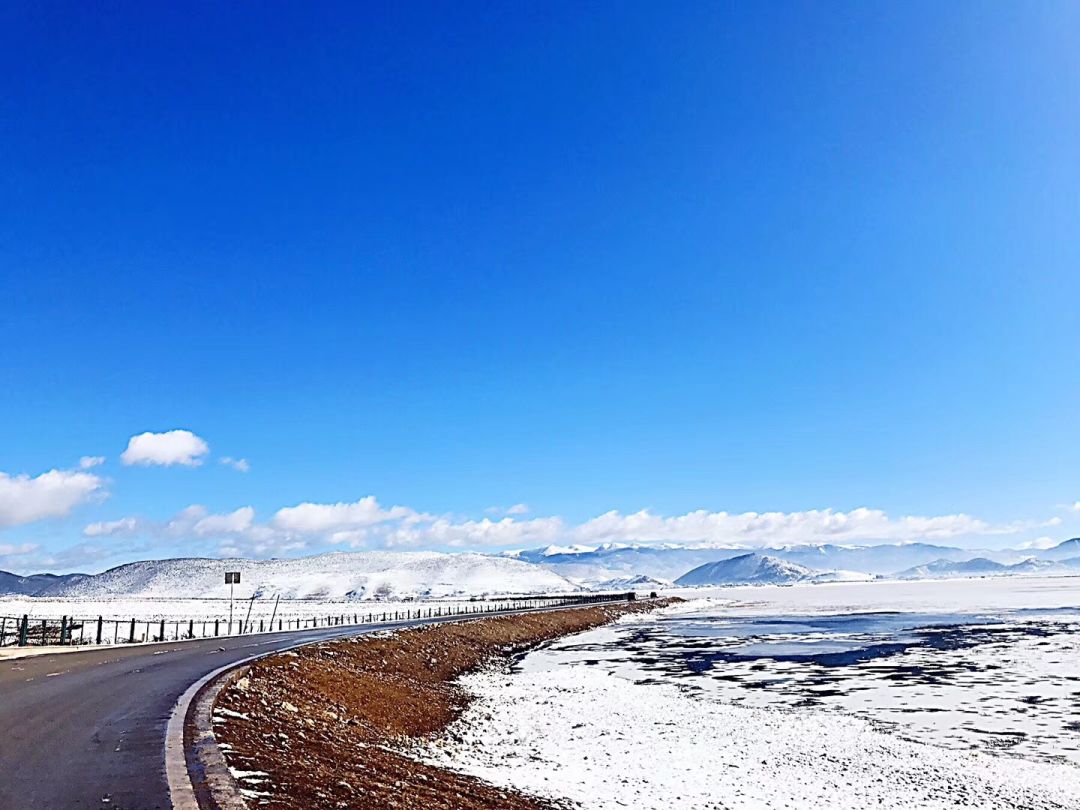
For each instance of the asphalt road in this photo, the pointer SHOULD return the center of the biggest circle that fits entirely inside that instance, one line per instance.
(87, 729)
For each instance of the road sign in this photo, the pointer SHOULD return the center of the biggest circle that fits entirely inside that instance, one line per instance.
(231, 578)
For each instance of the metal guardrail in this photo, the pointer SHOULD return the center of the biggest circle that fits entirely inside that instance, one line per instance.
(27, 631)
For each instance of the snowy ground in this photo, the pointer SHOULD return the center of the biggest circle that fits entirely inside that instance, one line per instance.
(578, 721)
(945, 595)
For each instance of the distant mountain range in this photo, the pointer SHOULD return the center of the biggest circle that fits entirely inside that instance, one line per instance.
(980, 566)
(375, 575)
(35, 584)
(595, 564)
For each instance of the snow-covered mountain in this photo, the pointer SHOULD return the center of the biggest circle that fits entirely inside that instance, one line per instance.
(982, 567)
(34, 584)
(371, 575)
(979, 566)
(1062, 551)
(595, 564)
(746, 569)
(638, 583)
(339, 575)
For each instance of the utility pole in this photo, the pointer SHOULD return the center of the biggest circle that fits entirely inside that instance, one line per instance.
(274, 614)
(247, 620)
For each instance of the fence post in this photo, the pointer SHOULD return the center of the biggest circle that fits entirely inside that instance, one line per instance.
(63, 630)
(131, 634)
(24, 630)
(3, 630)
(98, 636)
(162, 638)
(44, 631)
(217, 623)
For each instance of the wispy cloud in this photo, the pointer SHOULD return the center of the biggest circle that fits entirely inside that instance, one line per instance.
(25, 499)
(113, 528)
(1037, 543)
(366, 523)
(512, 511)
(238, 464)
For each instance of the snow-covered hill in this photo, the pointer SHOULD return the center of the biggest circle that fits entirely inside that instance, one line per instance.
(638, 583)
(348, 575)
(13, 584)
(669, 561)
(982, 567)
(746, 569)
(595, 564)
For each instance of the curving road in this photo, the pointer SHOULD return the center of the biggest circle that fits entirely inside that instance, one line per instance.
(87, 729)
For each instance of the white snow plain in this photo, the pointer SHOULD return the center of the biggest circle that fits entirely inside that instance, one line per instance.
(585, 734)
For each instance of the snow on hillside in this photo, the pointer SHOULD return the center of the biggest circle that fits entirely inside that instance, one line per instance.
(13, 584)
(668, 561)
(638, 583)
(982, 567)
(349, 575)
(747, 568)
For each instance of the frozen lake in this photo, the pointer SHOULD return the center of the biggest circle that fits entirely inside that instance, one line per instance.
(952, 671)
(907, 694)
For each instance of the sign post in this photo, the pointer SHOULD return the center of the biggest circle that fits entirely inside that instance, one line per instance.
(231, 579)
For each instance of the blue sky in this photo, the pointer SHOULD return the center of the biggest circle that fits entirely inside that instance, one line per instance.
(582, 258)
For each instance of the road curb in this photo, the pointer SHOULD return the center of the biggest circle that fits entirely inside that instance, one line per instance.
(191, 745)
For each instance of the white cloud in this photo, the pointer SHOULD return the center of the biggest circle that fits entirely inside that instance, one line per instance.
(365, 523)
(89, 462)
(184, 521)
(516, 509)
(327, 517)
(236, 522)
(52, 494)
(1074, 507)
(477, 533)
(238, 464)
(779, 528)
(10, 550)
(166, 449)
(113, 528)
(1038, 543)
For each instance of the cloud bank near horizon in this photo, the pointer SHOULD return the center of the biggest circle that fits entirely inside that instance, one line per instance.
(312, 527)
(368, 524)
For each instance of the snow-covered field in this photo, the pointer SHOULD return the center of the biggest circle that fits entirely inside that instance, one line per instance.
(715, 704)
(144, 609)
(940, 596)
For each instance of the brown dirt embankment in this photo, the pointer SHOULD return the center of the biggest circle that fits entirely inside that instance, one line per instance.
(323, 722)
